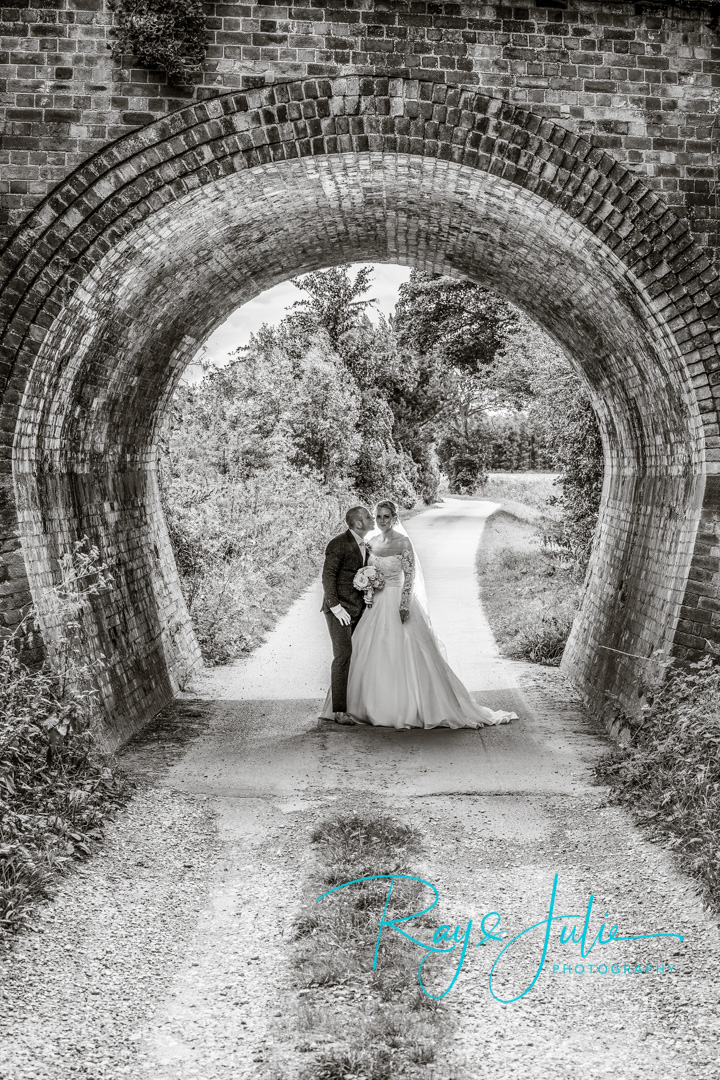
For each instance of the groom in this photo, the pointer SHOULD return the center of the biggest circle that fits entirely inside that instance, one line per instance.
(343, 604)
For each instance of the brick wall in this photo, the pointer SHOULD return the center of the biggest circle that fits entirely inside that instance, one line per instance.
(640, 81)
(569, 196)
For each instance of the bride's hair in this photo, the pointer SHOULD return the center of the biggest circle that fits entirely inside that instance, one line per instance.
(388, 505)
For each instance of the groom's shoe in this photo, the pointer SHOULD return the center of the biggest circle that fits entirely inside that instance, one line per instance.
(343, 718)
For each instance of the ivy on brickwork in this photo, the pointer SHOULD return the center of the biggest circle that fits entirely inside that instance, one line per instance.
(166, 34)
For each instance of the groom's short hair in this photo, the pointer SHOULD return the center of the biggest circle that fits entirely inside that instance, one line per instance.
(354, 513)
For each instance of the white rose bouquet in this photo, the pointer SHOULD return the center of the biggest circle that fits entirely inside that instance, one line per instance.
(367, 581)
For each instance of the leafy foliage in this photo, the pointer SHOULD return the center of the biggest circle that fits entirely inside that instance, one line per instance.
(512, 442)
(463, 457)
(670, 773)
(166, 34)
(262, 458)
(464, 324)
(245, 548)
(450, 332)
(333, 303)
(56, 786)
(533, 375)
(575, 439)
(482, 384)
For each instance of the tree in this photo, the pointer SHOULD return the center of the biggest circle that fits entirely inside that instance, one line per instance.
(532, 373)
(322, 417)
(333, 303)
(465, 323)
(450, 332)
(382, 468)
(336, 314)
(463, 456)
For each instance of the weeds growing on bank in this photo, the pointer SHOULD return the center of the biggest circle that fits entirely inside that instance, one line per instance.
(56, 787)
(669, 775)
(388, 1030)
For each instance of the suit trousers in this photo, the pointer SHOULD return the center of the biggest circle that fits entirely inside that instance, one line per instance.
(341, 638)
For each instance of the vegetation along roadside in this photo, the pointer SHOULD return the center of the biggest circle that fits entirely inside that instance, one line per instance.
(57, 786)
(529, 582)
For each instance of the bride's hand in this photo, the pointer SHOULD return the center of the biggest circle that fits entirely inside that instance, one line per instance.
(404, 614)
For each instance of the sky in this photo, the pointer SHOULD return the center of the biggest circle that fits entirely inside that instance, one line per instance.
(270, 306)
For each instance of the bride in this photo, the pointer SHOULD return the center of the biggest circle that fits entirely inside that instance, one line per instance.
(399, 676)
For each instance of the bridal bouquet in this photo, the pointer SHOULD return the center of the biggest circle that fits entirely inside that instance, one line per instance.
(367, 581)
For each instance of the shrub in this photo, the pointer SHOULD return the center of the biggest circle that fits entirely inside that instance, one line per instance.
(246, 549)
(427, 477)
(261, 459)
(462, 456)
(544, 644)
(56, 787)
(670, 772)
(166, 34)
(579, 456)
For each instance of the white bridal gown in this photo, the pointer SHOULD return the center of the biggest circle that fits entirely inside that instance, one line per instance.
(398, 675)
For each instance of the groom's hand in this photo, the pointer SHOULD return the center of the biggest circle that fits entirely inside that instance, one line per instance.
(341, 615)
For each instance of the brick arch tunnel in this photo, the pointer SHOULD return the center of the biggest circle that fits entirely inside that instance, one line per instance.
(115, 280)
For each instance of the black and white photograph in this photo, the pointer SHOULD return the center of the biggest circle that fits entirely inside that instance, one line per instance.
(359, 540)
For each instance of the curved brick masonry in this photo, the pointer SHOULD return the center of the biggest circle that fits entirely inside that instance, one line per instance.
(118, 278)
(641, 81)
(113, 282)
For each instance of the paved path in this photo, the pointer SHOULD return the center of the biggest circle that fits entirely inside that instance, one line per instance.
(168, 957)
(294, 664)
(294, 661)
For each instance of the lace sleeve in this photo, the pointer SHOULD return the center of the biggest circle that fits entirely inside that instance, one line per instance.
(408, 564)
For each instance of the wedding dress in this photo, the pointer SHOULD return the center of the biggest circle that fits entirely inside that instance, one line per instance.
(399, 676)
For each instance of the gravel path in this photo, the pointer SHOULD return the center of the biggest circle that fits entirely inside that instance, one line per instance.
(167, 954)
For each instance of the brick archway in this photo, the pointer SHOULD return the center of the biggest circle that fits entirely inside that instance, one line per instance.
(114, 281)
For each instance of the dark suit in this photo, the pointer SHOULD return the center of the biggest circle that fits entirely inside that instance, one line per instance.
(342, 562)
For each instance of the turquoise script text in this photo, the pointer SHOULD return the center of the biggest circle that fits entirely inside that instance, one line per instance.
(446, 939)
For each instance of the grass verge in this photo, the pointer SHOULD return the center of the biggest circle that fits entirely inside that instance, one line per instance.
(530, 590)
(388, 1026)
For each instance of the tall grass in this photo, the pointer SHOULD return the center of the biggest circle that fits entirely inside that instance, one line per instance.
(530, 588)
(536, 490)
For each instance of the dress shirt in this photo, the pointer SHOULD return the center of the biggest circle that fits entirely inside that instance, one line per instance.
(360, 543)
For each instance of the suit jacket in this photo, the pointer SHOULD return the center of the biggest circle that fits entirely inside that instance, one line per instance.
(342, 562)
